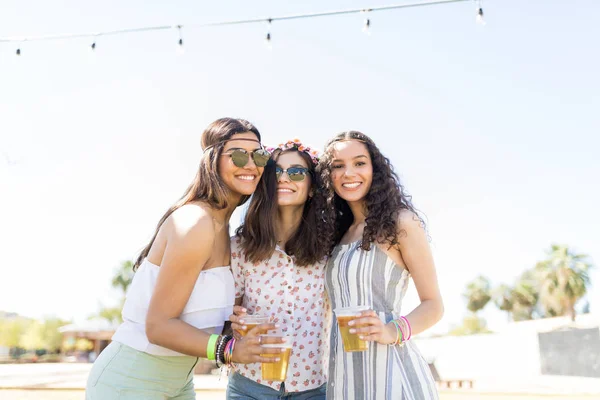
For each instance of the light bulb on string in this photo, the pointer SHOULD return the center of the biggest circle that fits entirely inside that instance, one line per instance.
(479, 17)
(268, 42)
(92, 55)
(18, 51)
(180, 48)
(93, 45)
(366, 27)
(367, 22)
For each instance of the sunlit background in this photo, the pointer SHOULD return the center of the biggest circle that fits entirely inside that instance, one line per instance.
(493, 129)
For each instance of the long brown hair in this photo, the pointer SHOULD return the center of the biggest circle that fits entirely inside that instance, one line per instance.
(207, 185)
(384, 201)
(257, 233)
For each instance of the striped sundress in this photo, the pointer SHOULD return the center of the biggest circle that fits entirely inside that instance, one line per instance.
(357, 277)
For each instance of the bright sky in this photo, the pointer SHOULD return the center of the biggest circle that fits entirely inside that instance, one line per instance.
(494, 130)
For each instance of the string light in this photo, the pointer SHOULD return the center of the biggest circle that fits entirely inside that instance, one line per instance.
(366, 26)
(92, 47)
(268, 37)
(180, 48)
(479, 17)
(367, 23)
(19, 46)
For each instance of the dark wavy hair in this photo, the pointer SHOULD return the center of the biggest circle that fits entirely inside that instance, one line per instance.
(207, 185)
(257, 233)
(384, 200)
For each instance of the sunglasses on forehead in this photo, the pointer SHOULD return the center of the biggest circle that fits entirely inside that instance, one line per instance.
(296, 174)
(240, 157)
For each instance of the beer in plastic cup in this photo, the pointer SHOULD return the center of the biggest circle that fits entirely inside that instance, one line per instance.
(351, 340)
(252, 321)
(277, 371)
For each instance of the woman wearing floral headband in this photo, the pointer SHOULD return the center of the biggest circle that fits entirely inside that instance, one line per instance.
(277, 260)
(380, 244)
(182, 292)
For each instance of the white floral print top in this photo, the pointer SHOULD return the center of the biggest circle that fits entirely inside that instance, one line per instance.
(295, 298)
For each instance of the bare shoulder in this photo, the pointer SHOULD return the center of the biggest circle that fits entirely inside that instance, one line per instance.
(191, 220)
(409, 223)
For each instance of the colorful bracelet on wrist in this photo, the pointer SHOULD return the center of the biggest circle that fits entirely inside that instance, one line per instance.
(228, 355)
(403, 330)
(211, 347)
(398, 332)
(220, 355)
(407, 327)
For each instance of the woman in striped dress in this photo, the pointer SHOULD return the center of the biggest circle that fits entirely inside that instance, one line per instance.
(379, 244)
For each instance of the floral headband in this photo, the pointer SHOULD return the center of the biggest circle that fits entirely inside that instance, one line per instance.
(297, 144)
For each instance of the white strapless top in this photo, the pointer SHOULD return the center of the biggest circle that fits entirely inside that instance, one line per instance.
(209, 306)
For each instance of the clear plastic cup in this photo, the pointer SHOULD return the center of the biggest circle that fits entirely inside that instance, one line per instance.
(351, 341)
(252, 321)
(277, 371)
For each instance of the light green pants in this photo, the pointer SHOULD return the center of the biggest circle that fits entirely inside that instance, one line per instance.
(121, 372)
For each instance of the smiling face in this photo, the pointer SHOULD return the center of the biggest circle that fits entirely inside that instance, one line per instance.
(240, 180)
(351, 170)
(292, 193)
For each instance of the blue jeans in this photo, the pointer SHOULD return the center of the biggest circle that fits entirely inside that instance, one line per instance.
(240, 387)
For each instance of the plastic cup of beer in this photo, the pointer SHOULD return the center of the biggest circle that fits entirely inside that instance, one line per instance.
(252, 321)
(351, 341)
(277, 371)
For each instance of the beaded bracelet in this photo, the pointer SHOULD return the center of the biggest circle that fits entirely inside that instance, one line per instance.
(408, 327)
(220, 356)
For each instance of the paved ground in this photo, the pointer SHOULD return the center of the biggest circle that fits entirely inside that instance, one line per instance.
(219, 395)
(79, 395)
(66, 382)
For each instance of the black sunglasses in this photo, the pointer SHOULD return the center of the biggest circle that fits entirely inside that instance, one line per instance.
(296, 174)
(240, 157)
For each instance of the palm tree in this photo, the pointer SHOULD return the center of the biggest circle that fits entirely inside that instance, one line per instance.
(123, 276)
(564, 280)
(504, 298)
(121, 280)
(477, 293)
(525, 296)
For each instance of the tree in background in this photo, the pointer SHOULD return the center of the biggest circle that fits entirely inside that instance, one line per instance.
(525, 296)
(519, 301)
(478, 293)
(11, 331)
(123, 276)
(471, 324)
(31, 339)
(503, 297)
(552, 288)
(22, 334)
(50, 336)
(564, 279)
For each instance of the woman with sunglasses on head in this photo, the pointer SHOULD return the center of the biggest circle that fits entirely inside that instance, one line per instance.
(379, 244)
(278, 264)
(183, 289)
